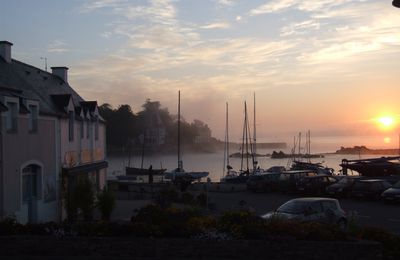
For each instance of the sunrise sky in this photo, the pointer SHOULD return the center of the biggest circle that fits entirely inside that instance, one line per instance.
(329, 66)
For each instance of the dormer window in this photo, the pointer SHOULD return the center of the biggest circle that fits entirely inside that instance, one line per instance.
(12, 116)
(71, 125)
(33, 118)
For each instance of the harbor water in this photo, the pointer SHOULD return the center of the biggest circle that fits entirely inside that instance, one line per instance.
(214, 162)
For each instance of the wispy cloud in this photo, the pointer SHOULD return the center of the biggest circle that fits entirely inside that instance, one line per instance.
(303, 5)
(216, 25)
(57, 46)
(300, 28)
(92, 5)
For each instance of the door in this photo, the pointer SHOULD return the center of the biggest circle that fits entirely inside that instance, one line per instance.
(30, 191)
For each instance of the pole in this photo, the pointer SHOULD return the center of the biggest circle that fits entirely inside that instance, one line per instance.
(179, 130)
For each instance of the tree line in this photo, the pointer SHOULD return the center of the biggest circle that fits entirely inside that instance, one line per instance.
(126, 128)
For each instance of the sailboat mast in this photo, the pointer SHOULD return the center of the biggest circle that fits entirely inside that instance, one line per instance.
(243, 140)
(226, 148)
(246, 123)
(179, 129)
(254, 133)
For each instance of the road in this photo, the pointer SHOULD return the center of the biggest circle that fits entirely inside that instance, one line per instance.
(371, 213)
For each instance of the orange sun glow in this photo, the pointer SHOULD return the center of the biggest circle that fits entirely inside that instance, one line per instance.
(386, 122)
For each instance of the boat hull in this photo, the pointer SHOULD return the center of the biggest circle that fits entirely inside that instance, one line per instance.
(132, 171)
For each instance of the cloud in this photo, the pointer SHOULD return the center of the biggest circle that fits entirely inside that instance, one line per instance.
(225, 2)
(57, 46)
(302, 5)
(216, 25)
(273, 6)
(300, 28)
(92, 5)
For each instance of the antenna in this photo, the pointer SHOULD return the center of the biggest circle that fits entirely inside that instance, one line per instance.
(45, 62)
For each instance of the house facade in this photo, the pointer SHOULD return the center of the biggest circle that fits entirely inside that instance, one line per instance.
(50, 137)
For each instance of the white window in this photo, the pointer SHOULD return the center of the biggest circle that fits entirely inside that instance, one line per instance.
(33, 118)
(12, 114)
(71, 125)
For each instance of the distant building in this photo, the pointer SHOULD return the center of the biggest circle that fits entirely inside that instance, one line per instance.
(50, 138)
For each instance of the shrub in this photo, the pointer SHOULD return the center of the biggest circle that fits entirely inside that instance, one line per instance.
(165, 197)
(105, 203)
(202, 200)
(187, 198)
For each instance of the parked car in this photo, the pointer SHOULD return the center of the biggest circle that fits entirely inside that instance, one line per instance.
(369, 188)
(263, 182)
(392, 194)
(314, 185)
(343, 187)
(288, 179)
(323, 210)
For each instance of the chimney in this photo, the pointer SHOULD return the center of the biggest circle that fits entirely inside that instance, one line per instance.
(62, 72)
(5, 50)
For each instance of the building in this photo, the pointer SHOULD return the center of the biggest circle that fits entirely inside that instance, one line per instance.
(50, 137)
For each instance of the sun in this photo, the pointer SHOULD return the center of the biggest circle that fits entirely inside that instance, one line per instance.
(385, 122)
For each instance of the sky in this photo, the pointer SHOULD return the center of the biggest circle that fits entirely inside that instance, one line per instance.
(328, 66)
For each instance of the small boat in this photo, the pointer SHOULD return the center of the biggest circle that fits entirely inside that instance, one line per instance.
(133, 171)
(136, 171)
(373, 167)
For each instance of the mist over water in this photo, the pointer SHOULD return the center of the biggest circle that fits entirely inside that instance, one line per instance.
(213, 162)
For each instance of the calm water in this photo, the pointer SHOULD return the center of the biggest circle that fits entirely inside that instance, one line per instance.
(213, 162)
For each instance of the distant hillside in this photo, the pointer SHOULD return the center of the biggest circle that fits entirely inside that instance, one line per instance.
(365, 150)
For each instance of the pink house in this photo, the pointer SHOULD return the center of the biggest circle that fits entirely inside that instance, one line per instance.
(50, 137)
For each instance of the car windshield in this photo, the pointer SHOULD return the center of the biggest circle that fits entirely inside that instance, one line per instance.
(397, 185)
(347, 180)
(362, 185)
(294, 207)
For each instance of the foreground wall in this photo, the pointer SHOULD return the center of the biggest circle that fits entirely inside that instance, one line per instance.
(128, 247)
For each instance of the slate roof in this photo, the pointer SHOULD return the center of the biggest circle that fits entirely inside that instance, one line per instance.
(25, 81)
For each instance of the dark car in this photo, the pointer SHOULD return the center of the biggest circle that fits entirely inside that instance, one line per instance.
(263, 182)
(369, 188)
(314, 185)
(392, 194)
(343, 187)
(324, 210)
(288, 179)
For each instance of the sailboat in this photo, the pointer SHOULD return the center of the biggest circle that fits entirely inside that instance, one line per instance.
(136, 171)
(179, 174)
(230, 173)
(243, 175)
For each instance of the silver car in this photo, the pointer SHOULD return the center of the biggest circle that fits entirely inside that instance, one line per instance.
(323, 210)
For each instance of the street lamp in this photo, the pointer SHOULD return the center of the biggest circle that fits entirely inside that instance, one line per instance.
(396, 3)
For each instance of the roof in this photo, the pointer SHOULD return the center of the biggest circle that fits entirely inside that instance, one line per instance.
(25, 81)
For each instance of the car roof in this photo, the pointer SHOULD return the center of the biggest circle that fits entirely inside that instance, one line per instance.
(372, 180)
(316, 176)
(312, 199)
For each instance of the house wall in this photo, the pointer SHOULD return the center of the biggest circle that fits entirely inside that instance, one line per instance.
(23, 148)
